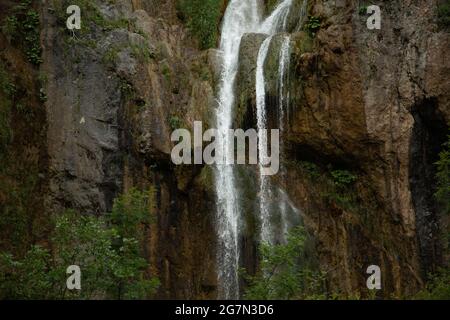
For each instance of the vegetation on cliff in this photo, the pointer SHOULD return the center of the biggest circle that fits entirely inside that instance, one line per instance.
(107, 249)
(443, 13)
(202, 17)
(286, 271)
(22, 28)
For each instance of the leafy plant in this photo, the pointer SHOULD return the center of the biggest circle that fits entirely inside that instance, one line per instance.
(175, 122)
(313, 25)
(202, 18)
(23, 28)
(108, 251)
(343, 178)
(437, 288)
(283, 272)
(310, 168)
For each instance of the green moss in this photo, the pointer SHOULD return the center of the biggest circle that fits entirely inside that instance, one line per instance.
(22, 28)
(142, 52)
(175, 122)
(363, 10)
(443, 14)
(126, 88)
(313, 25)
(337, 186)
(202, 18)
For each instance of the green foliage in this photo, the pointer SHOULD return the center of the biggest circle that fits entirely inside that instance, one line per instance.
(443, 177)
(437, 288)
(108, 251)
(202, 17)
(310, 168)
(175, 123)
(126, 88)
(443, 13)
(337, 185)
(362, 10)
(343, 178)
(23, 28)
(313, 25)
(283, 273)
(27, 278)
(142, 52)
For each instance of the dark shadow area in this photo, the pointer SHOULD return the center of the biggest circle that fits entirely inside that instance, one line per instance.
(429, 133)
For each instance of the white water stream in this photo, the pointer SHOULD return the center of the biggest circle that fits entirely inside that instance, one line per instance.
(241, 17)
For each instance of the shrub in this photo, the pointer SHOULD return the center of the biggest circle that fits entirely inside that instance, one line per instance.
(343, 178)
(313, 25)
(23, 28)
(283, 272)
(202, 18)
(437, 288)
(108, 251)
(311, 169)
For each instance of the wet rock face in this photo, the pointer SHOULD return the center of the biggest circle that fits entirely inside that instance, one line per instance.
(83, 130)
(428, 135)
(364, 100)
(113, 98)
(357, 103)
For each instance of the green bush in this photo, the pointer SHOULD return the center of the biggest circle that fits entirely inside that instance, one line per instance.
(343, 178)
(284, 274)
(202, 18)
(23, 28)
(311, 169)
(437, 288)
(313, 25)
(108, 251)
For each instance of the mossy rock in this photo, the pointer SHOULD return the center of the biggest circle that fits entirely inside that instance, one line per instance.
(246, 77)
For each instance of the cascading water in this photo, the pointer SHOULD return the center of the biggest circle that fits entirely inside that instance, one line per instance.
(283, 69)
(283, 104)
(264, 190)
(276, 22)
(241, 16)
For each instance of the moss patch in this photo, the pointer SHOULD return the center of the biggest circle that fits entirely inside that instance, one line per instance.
(202, 17)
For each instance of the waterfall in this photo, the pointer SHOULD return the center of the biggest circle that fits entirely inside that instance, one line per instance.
(276, 22)
(283, 104)
(278, 18)
(241, 16)
(264, 189)
(283, 69)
